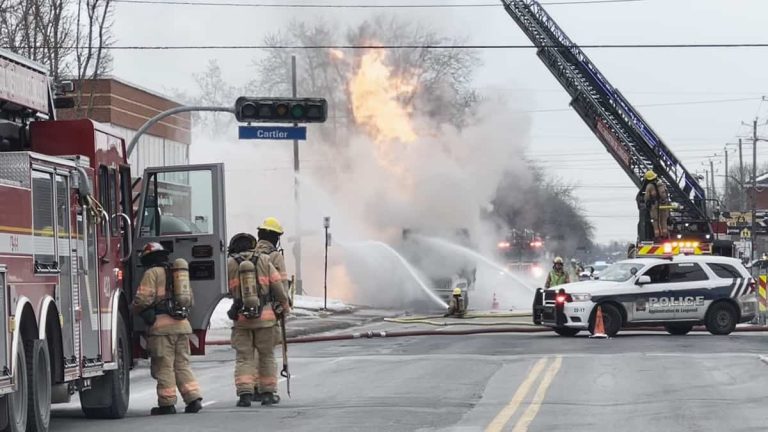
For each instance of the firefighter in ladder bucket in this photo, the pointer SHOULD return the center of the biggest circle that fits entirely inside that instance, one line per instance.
(164, 300)
(657, 202)
(258, 299)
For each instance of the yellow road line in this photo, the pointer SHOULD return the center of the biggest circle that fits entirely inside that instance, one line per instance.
(533, 409)
(508, 411)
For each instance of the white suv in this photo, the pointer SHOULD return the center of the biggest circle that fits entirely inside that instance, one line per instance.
(678, 293)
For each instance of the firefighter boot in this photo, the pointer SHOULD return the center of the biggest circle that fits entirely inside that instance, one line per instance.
(245, 400)
(194, 406)
(268, 398)
(163, 410)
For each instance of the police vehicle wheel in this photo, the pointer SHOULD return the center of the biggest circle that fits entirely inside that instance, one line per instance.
(566, 331)
(721, 318)
(678, 329)
(611, 320)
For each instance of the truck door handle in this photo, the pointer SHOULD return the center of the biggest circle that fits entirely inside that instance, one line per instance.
(190, 239)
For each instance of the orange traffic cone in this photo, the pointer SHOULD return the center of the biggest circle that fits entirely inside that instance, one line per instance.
(599, 331)
(495, 303)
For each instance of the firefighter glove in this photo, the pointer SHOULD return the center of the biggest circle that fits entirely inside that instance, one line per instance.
(148, 316)
(234, 309)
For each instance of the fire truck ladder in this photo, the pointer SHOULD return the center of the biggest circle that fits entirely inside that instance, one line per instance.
(621, 129)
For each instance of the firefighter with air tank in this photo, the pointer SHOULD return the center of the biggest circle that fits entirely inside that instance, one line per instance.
(164, 300)
(256, 286)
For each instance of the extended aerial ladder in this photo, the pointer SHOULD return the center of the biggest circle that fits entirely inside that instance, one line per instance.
(623, 131)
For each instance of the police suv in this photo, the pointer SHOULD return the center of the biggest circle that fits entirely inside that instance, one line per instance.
(677, 292)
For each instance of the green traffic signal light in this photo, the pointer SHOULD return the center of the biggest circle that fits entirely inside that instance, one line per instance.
(297, 111)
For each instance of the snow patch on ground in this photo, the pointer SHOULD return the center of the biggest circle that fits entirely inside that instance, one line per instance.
(303, 307)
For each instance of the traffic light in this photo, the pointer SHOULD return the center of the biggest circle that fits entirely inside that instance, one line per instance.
(281, 110)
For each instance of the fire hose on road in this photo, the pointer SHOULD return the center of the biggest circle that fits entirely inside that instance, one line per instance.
(490, 328)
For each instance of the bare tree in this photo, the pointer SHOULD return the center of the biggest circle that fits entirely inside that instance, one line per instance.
(92, 59)
(528, 199)
(69, 37)
(443, 77)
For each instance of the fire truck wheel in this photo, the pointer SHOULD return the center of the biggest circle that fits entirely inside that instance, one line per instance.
(114, 386)
(16, 402)
(721, 318)
(566, 331)
(678, 329)
(39, 380)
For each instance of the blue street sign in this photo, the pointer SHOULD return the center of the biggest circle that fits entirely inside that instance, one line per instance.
(273, 132)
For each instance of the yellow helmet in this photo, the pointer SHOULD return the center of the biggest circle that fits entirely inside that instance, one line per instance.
(650, 175)
(457, 291)
(558, 260)
(272, 224)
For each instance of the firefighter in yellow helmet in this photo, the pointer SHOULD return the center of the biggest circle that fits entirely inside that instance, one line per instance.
(457, 307)
(558, 275)
(163, 300)
(258, 297)
(655, 197)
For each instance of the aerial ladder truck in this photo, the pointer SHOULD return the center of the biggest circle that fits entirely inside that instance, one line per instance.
(626, 136)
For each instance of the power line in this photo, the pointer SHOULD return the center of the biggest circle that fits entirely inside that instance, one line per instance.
(660, 104)
(399, 47)
(357, 6)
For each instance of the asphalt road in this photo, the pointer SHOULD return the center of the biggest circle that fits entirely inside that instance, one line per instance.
(511, 382)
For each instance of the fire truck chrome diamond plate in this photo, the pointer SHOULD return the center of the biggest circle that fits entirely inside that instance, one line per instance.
(14, 168)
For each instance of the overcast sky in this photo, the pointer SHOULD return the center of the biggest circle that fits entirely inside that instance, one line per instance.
(701, 96)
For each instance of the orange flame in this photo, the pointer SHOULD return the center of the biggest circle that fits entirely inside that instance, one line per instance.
(374, 93)
(336, 53)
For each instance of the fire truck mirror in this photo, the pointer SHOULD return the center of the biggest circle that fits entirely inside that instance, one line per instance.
(63, 102)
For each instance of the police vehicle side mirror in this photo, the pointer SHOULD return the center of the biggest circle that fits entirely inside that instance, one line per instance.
(644, 279)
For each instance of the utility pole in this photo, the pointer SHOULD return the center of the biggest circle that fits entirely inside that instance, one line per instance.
(296, 200)
(712, 175)
(726, 195)
(743, 194)
(754, 188)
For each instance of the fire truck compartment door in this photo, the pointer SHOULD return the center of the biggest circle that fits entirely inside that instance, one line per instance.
(183, 208)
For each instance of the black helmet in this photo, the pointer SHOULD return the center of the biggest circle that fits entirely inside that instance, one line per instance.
(241, 242)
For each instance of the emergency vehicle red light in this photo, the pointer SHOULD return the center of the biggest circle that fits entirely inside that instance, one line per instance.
(503, 245)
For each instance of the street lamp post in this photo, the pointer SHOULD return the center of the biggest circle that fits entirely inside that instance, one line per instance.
(326, 225)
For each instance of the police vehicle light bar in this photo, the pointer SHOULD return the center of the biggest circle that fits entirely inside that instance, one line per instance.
(281, 110)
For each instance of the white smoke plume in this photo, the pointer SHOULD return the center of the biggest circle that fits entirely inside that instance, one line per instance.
(436, 181)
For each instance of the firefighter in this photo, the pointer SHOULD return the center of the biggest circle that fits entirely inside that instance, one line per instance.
(457, 306)
(575, 270)
(655, 197)
(269, 234)
(257, 289)
(557, 276)
(163, 300)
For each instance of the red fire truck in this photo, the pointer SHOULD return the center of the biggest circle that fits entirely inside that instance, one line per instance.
(68, 268)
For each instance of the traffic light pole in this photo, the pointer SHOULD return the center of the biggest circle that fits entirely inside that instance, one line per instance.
(173, 111)
(296, 197)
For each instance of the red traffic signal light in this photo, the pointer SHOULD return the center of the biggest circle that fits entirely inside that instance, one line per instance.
(281, 110)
